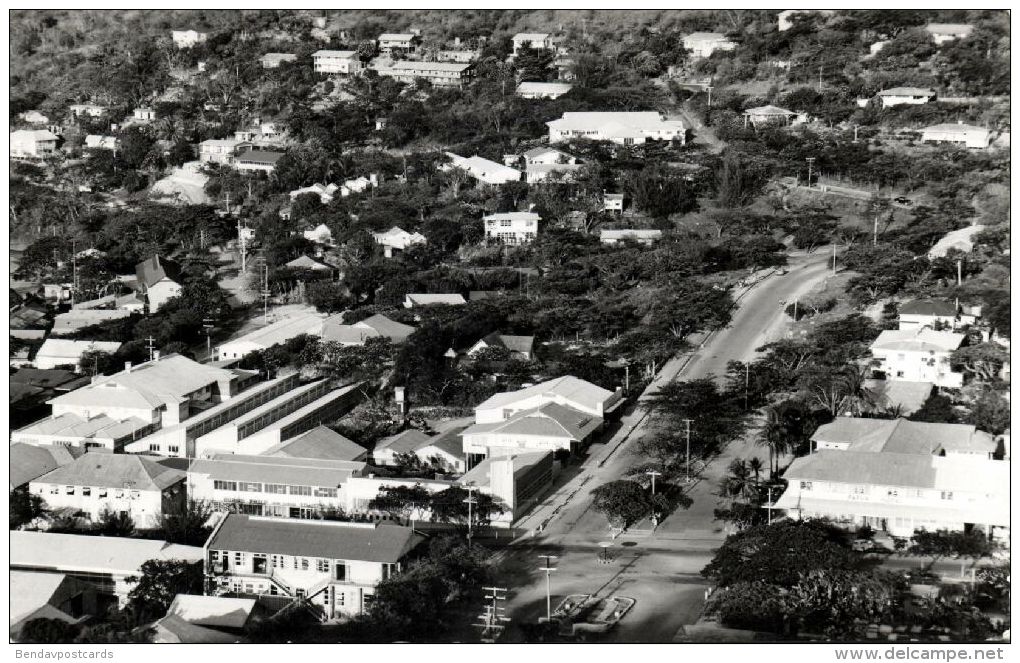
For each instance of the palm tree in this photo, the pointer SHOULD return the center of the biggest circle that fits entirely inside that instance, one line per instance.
(774, 436)
(857, 397)
(756, 466)
(738, 483)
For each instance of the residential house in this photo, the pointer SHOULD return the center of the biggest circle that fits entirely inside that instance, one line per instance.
(188, 38)
(520, 347)
(274, 60)
(48, 596)
(955, 240)
(27, 462)
(900, 492)
(771, 115)
(704, 44)
(320, 443)
(413, 300)
(336, 62)
(622, 128)
(92, 110)
(935, 313)
(539, 41)
(612, 202)
(116, 409)
(306, 263)
(966, 135)
(640, 236)
(442, 452)
(440, 74)
(945, 32)
(511, 227)
(219, 151)
(257, 160)
(325, 192)
(376, 326)
(483, 170)
(564, 67)
(112, 564)
(786, 21)
(906, 95)
(918, 355)
(462, 56)
(159, 281)
(34, 117)
(903, 436)
(56, 352)
(286, 416)
(95, 141)
(275, 333)
(334, 565)
(33, 144)
(320, 234)
(876, 48)
(143, 114)
(401, 42)
(272, 486)
(541, 164)
(124, 484)
(397, 240)
(534, 90)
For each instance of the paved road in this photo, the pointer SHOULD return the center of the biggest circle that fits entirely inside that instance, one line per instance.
(650, 564)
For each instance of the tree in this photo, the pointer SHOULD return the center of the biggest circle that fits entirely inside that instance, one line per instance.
(449, 506)
(661, 193)
(160, 582)
(185, 522)
(947, 543)
(622, 502)
(408, 502)
(990, 412)
(48, 631)
(739, 181)
(115, 523)
(25, 507)
(983, 361)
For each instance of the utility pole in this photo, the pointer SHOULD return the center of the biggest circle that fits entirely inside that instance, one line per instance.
(959, 272)
(242, 245)
(470, 501)
(874, 241)
(494, 614)
(207, 325)
(856, 127)
(709, 88)
(770, 504)
(833, 258)
(747, 367)
(265, 291)
(151, 344)
(74, 270)
(687, 422)
(548, 568)
(795, 303)
(810, 163)
(653, 474)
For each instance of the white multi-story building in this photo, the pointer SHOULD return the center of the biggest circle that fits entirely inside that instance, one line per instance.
(511, 227)
(257, 160)
(188, 38)
(34, 144)
(623, 128)
(404, 42)
(897, 96)
(92, 110)
(440, 74)
(334, 565)
(646, 237)
(540, 41)
(124, 484)
(336, 62)
(918, 355)
(899, 492)
(904, 436)
(704, 44)
(219, 150)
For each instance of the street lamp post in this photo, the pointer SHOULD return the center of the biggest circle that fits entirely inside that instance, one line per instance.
(548, 568)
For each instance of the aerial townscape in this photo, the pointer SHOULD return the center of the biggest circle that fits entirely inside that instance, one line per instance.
(509, 326)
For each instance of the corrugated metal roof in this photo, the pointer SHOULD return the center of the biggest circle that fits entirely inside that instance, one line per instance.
(100, 554)
(106, 470)
(320, 443)
(277, 469)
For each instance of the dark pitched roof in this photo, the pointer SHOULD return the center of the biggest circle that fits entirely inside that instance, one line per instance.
(320, 443)
(939, 307)
(28, 461)
(114, 471)
(449, 441)
(315, 538)
(155, 269)
(47, 378)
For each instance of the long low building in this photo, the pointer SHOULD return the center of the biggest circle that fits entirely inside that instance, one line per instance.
(105, 561)
(272, 334)
(440, 74)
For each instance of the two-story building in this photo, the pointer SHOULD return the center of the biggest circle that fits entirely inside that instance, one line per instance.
(275, 333)
(256, 160)
(124, 484)
(345, 63)
(398, 42)
(903, 436)
(511, 227)
(622, 128)
(159, 280)
(219, 150)
(898, 96)
(918, 355)
(33, 144)
(440, 74)
(539, 41)
(334, 565)
(56, 352)
(704, 44)
(91, 110)
(935, 313)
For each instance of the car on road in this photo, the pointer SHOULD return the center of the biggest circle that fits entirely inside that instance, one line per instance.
(782, 271)
(902, 200)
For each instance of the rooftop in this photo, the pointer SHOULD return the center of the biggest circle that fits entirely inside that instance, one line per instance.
(215, 611)
(513, 216)
(567, 387)
(924, 339)
(934, 307)
(73, 350)
(450, 67)
(907, 92)
(99, 554)
(426, 299)
(153, 270)
(549, 420)
(105, 470)
(403, 442)
(479, 474)
(769, 110)
(100, 427)
(314, 538)
(29, 461)
(277, 469)
(335, 54)
(281, 330)
(260, 156)
(903, 436)
(320, 443)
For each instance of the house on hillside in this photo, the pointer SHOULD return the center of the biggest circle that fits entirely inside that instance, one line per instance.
(520, 347)
(414, 300)
(612, 202)
(897, 96)
(334, 566)
(279, 331)
(399, 42)
(219, 150)
(532, 90)
(511, 227)
(641, 236)
(336, 62)
(34, 144)
(56, 352)
(786, 18)
(396, 240)
(539, 41)
(257, 160)
(34, 117)
(768, 115)
(325, 192)
(966, 135)
(159, 280)
(94, 141)
(440, 74)
(935, 312)
(622, 128)
(376, 326)
(945, 32)
(918, 355)
(306, 263)
(704, 44)
(91, 110)
(483, 170)
(119, 483)
(188, 38)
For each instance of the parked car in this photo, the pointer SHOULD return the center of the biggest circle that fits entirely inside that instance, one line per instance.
(902, 200)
